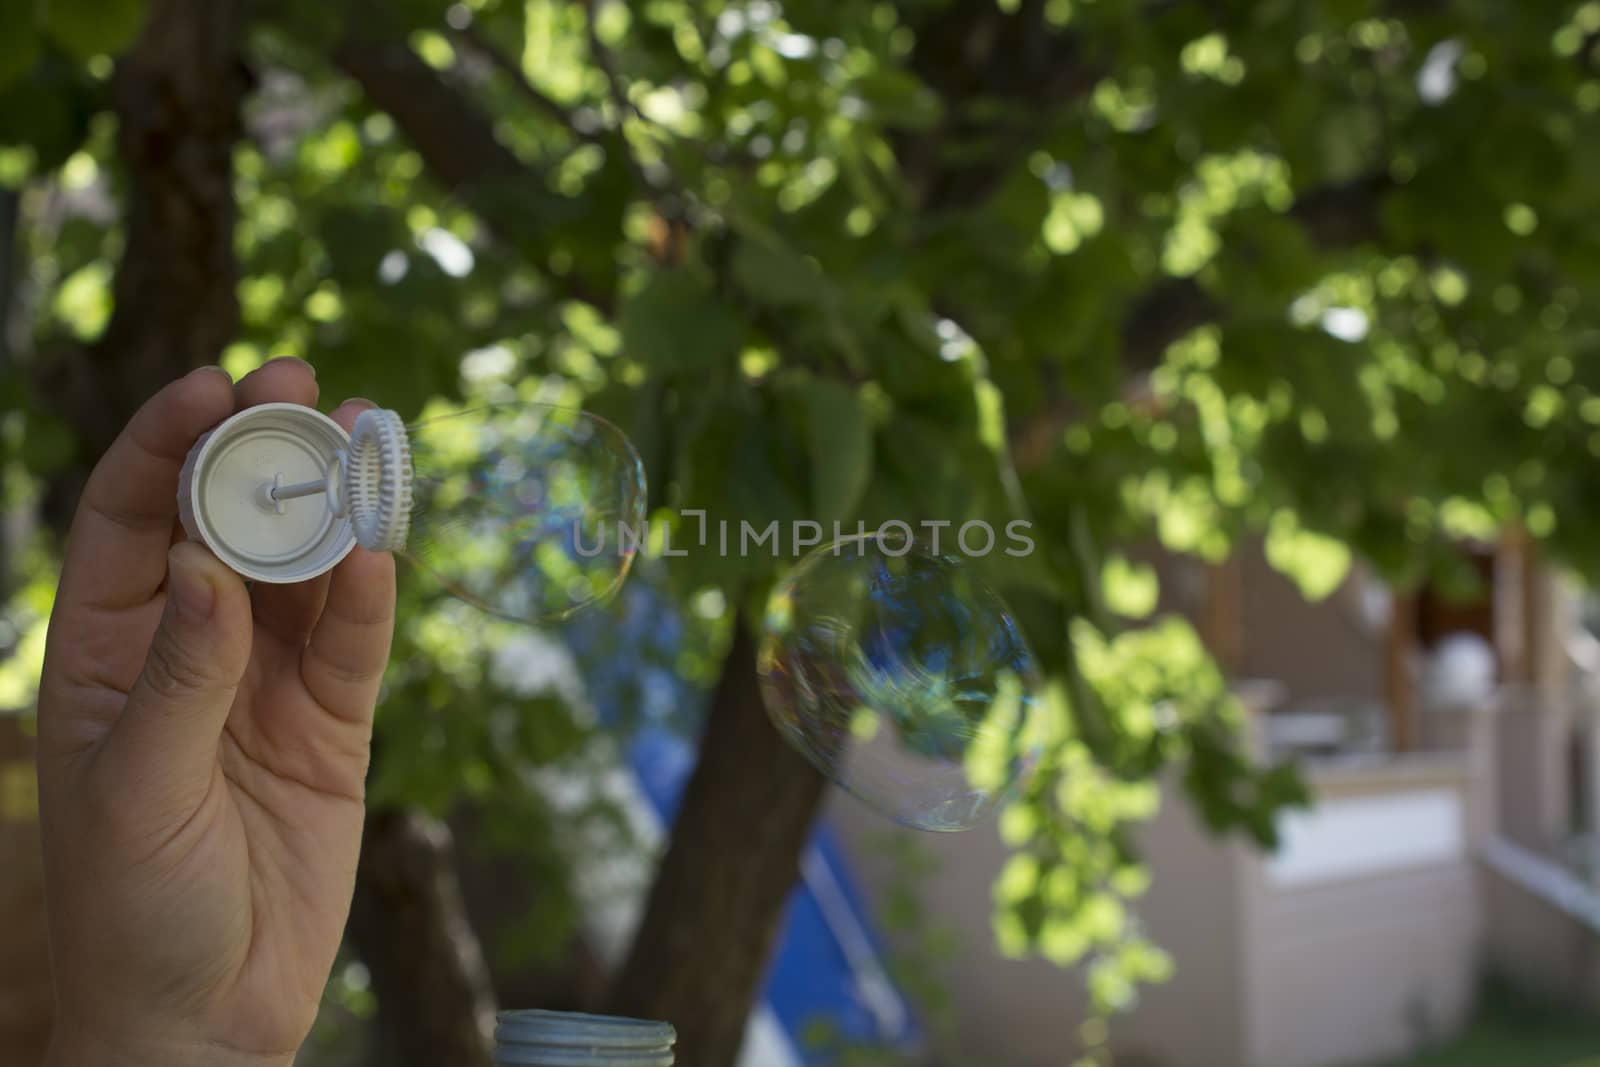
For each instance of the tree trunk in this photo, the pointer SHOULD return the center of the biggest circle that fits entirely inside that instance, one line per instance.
(501, 892)
(408, 924)
(177, 95)
(10, 267)
(701, 950)
(12, 516)
(698, 958)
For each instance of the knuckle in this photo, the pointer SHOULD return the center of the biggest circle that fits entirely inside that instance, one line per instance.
(172, 669)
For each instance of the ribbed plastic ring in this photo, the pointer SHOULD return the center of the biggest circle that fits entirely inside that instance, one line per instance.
(376, 481)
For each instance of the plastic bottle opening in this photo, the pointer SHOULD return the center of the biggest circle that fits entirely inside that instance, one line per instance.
(572, 1039)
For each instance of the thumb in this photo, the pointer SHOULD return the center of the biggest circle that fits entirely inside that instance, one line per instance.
(179, 705)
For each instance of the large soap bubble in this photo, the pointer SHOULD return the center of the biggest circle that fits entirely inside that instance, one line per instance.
(903, 678)
(525, 510)
(528, 511)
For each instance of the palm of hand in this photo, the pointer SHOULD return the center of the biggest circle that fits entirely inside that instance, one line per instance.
(202, 800)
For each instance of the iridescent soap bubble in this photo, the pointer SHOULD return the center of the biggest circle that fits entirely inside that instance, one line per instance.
(903, 678)
(529, 511)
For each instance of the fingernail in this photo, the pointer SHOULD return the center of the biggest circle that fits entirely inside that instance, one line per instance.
(212, 368)
(295, 359)
(192, 596)
(363, 401)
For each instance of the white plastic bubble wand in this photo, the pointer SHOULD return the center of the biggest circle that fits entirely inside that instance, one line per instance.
(506, 507)
(240, 481)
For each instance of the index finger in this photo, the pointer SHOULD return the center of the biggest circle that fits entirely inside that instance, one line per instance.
(344, 660)
(289, 612)
(116, 553)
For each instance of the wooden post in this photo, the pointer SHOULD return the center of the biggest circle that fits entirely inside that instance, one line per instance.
(1513, 608)
(1222, 612)
(1399, 685)
(1536, 623)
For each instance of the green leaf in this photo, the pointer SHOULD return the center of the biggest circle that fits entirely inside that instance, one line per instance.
(1130, 589)
(776, 274)
(899, 98)
(678, 326)
(19, 42)
(83, 300)
(1317, 563)
(839, 441)
(88, 28)
(47, 445)
(48, 111)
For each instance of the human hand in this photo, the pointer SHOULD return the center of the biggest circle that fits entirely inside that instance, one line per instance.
(202, 755)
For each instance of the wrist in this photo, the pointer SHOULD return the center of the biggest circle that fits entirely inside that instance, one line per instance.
(70, 1047)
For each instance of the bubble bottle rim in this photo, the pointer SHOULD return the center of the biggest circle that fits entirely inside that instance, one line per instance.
(538, 1038)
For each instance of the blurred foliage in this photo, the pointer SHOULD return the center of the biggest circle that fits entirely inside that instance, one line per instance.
(347, 1002)
(1128, 269)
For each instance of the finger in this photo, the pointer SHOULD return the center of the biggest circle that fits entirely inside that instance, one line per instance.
(347, 413)
(343, 663)
(178, 707)
(288, 612)
(285, 380)
(116, 555)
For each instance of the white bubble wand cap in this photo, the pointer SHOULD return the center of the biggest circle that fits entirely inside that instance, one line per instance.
(281, 493)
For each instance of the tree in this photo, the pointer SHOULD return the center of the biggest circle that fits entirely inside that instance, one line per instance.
(1119, 267)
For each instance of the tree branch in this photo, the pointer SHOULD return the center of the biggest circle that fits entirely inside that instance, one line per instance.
(1346, 214)
(458, 146)
(434, 992)
(665, 206)
(602, 59)
(10, 212)
(474, 40)
(451, 134)
(970, 52)
(1334, 216)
